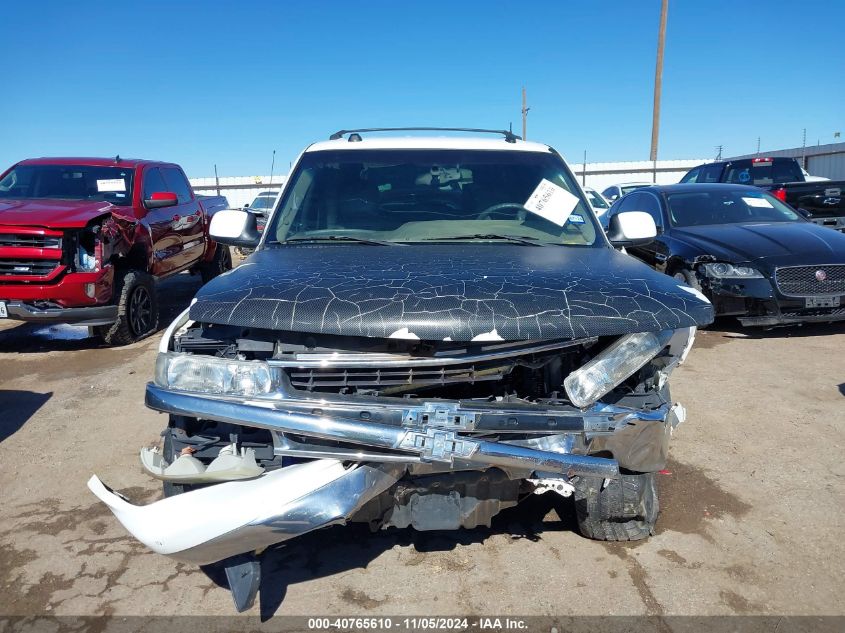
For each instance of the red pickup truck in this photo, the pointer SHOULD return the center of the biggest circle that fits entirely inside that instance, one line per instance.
(83, 241)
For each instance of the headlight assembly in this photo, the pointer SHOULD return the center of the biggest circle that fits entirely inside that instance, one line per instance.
(612, 366)
(209, 374)
(722, 270)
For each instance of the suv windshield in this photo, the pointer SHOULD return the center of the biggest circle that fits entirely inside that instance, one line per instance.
(428, 195)
(263, 201)
(732, 206)
(596, 200)
(69, 182)
(763, 171)
(626, 189)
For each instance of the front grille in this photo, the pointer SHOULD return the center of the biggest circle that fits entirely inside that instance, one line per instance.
(30, 240)
(801, 281)
(320, 379)
(816, 312)
(27, 267)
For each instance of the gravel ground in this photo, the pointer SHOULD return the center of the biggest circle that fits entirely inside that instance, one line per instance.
(751, 523)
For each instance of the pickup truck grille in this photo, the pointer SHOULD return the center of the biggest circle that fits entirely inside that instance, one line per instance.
(810, 281)
(313, 379)
(27, 268)
(28, 254)
(30, 240)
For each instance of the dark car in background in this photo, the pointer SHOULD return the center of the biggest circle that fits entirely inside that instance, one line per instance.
(752, 255)
(819, 201)
(262, 206)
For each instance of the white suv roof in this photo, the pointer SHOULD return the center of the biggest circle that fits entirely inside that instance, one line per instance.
(429, 142)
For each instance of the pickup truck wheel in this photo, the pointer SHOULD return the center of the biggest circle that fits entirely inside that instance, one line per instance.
(623, 510)
(137, 310)
(219, 264)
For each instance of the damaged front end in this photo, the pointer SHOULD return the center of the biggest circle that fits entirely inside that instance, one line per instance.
(274, 434)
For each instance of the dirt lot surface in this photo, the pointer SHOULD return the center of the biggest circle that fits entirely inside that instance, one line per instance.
(751, 523)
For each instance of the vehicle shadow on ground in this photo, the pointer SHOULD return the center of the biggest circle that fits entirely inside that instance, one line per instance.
(731, 328)
(18, 407)
(330, 551)
(174, 295)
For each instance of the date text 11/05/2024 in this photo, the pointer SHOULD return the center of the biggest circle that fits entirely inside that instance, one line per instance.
(418, 623)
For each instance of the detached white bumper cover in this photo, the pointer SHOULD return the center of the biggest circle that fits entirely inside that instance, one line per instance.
(213, 523)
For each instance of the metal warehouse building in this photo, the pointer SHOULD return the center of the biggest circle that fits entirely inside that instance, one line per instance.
(819, 160)
(239, 190)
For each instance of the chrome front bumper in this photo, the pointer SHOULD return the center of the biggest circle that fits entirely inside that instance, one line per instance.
(220, 521)
(450, 433)
(216, 522)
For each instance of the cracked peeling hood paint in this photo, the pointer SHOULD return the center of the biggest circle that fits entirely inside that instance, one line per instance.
(489, 291)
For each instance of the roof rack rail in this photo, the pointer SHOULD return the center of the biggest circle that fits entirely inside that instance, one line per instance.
(510, 137)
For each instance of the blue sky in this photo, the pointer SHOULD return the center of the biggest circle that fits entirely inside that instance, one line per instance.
(211, 82)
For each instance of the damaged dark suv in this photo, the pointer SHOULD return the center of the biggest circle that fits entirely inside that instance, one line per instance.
(429, 330)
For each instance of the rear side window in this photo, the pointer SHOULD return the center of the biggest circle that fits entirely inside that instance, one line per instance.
(691, 175)
(153, 183)
(177, 183)
(711, 173)
(761, 172)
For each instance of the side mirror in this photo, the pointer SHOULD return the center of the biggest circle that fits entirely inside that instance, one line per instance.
(631, 228)
(235, 228)
(246, 205)
(161, 199)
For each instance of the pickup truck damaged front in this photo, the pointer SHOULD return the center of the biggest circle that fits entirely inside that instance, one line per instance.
(361, 447)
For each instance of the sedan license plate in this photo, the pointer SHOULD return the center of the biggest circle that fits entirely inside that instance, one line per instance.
(821, 302)
(4, 313)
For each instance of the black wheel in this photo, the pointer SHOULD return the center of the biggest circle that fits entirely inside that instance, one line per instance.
(219, 264)
(137, 309)
(624, 509)
(688, 277)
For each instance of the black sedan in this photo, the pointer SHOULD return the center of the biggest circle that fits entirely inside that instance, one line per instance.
(753, 256)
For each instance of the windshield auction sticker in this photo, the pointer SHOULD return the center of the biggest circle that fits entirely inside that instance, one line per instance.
(757, 202)
(552, 202)
(111, 184)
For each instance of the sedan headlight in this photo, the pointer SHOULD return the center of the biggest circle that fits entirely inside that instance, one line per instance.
(730, 271)
(616, 363)
(209, 374)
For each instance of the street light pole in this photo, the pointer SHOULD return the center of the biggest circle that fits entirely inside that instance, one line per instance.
(658, 81)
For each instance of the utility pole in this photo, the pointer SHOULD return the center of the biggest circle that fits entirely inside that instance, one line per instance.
(804, 150)
(658, 82)
(272, 166)
(216, 179)
(584, 174)
(525, 110)
(718, 152)
(758, 146)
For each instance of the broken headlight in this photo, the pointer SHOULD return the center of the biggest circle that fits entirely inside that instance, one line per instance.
(722, 270)
(89, 253)
(210, 374)
(620, 360)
